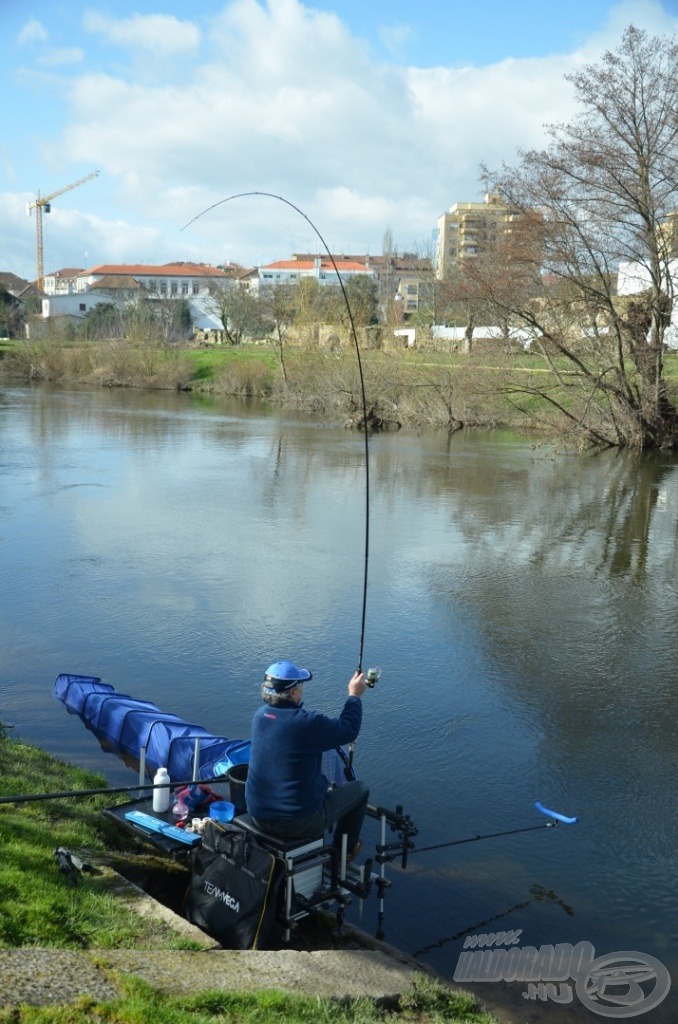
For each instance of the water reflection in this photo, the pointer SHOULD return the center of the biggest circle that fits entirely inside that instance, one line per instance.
(522, 605)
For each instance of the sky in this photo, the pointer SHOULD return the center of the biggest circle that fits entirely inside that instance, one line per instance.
(366, 115)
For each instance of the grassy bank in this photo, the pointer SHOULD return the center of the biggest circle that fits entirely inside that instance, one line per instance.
(141, 1004)
(39, 907)
(423, 389)
(419, 388)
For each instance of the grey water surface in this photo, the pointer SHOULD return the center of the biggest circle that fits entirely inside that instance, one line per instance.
(522, 606)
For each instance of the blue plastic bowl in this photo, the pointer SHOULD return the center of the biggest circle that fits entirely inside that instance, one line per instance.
(222, 810)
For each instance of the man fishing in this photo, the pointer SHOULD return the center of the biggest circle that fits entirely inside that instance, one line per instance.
(286, 792)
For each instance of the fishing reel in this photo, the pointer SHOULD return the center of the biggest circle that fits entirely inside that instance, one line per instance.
(372, 677)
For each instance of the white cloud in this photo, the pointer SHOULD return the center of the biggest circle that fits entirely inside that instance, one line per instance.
(395, 37)
(58, 58)
(160, 34)
(286, 100)
(32, 32)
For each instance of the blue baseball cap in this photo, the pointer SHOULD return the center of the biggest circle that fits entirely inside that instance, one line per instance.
(284, 675)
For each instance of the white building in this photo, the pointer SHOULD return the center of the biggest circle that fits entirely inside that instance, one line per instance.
(320, 269)
(634, 278)
(73, 292)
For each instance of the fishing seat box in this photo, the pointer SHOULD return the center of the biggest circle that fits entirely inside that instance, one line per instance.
(304, 863)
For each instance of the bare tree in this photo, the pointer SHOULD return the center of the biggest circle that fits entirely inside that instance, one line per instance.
(279, 307)
(240, 312)
(606, 188)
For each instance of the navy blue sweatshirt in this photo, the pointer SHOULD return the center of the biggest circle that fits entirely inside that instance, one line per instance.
(285, 778)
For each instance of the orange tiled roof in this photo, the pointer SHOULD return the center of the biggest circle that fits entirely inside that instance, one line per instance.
(168, 270)
(325, 264)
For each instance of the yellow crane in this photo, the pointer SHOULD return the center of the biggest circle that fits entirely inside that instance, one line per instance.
(40, 205)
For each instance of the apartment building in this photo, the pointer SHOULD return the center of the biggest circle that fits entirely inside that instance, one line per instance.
(468, 230)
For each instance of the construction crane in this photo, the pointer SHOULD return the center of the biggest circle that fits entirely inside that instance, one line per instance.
(40, 205)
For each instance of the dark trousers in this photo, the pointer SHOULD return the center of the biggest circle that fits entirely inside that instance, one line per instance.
(344, 805)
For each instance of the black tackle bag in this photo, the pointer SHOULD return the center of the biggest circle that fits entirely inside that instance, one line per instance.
(234, 889)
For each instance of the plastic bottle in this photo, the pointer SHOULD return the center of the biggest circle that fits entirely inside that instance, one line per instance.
(180, 810)
(161, 797)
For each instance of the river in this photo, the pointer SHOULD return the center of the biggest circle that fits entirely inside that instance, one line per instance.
(522, 605)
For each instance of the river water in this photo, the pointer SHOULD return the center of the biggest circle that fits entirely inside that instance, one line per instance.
(522, 606)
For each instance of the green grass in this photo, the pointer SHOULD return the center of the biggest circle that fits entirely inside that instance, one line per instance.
(38, 905)
(429, 1004)
(209, 363)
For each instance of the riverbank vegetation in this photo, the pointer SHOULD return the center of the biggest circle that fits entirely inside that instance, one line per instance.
(41, 907)
(429, 1004)
(412, 388)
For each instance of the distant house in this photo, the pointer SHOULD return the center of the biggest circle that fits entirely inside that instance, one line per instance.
(61, 282)
(318, 268)
(403, 279)
(17, 287)
(14, 292)
(73, 292)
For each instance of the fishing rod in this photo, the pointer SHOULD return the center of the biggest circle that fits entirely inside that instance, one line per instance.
(391, 851)
(282, 199)
(64, 794)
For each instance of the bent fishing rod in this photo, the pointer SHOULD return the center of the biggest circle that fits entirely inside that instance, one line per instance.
(287, 202)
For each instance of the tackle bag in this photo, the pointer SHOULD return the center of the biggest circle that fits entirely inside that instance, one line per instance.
(234, 889)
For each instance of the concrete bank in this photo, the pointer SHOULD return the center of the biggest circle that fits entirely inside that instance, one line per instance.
(41, 976)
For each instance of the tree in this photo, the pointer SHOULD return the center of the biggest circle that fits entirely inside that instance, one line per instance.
(462, 298)
(362, 296)
(103, 322)
(606, 188)
(240, 312)
(278, 304)
(11, 314)
(163, 315)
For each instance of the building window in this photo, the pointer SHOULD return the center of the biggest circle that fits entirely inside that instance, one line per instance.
(83, 307)
(196, 287)
(411, 289)
(163, 287)
(411, 305)
(173, 288)
(184, 287)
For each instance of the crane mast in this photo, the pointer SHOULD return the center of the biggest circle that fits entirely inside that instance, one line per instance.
(41, 205)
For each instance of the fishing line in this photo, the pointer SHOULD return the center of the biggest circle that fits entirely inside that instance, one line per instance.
(273, 195)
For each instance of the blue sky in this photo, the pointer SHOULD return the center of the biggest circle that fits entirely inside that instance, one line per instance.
(368, 115)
